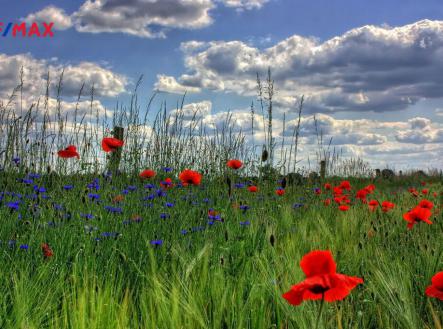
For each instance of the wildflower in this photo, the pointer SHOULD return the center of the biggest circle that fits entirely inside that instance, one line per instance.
(110, 144)
(386, 206)
(167, 183)
(327, 202)
(156, 242)
(68, 187)
(327, 186)
(322, 281)
(426, 204)
(24, 246)
(424, 191)
(234, 164)
(436, 288)
(252, 189)
(118, 198)
(69, 152)
(239, 185)
(345, 185)
(417, 214)
(47, 251)
(93, 196)
(167, 169)
(149, 186)
(245, 223)
(164, 215)
(343, 207)
(188, 176)
(148, 173)
(87, 216)
(169, 204)
(297, 205)
(317, 191)
(16, 160)
(373, 204)
(280, 191)
(115, 210)
(13, 205)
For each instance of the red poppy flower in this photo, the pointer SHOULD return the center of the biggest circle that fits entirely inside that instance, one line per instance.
(167, 183)
(386, 206)
(345, 185)
(188, 176)
(417, 214)
(327, 186)
(69, 152)
(110, 144)
(118, 198)
(234, 164)
(337, 190)
(436, 288)
(370, 188)
(148, 173)
(373, 204)
(425, 191)
(361, 194)
(322, 281)
(426, 204)
(343, 207)
(47, 251)
(280, 191)
(252, 189)
(327, 202)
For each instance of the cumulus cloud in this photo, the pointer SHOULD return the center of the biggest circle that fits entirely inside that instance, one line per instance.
(138, 17)
(244, 4)
(35, 71)
(61, 20)
(371, 68)
(193, 111)
(170, 85)
(421, 131)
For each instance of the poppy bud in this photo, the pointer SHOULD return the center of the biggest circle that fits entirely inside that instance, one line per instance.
(264, 155)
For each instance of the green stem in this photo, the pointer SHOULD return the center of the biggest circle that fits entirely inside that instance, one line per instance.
(317, 322)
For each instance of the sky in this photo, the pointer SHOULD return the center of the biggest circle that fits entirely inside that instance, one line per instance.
(370, 71)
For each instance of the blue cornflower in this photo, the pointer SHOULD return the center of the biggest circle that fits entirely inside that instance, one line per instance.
(169, 204)
(34, 176)
(164, 216)
(297, 205)
(239, 185)
(245, 223)
(132, 188)
(57, 206)
(161, 193)
(87, 216)
(24, 246)
(16, 160)
(167, 169)
(156, 242)
(39, 189)
(149, 186)
(68, 187)
(110, 234)
(27, 181)
(244, 207)
(115, 210)
(14, 205)
(206, 200)
(93, 196)
(184, 232)
(125, 192)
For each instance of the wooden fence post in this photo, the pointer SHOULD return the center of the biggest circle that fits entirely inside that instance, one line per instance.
(114, 161)
(322, 169)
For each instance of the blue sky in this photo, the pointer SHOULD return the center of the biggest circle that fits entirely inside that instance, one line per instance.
(212, 49)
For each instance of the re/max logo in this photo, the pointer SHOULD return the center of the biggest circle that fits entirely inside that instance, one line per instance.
(27, 30)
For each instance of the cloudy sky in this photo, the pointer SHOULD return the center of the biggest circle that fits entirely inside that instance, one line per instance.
(370, 71)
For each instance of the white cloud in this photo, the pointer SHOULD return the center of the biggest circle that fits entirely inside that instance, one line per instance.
(105, 81)
(170, 85)
(61, 20)
(138, 17)
(244, 4)
(439, 112)
(371, 68)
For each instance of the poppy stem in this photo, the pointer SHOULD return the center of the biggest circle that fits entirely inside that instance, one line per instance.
(317, 322)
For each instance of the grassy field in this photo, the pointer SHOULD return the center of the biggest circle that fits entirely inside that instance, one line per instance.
(127, 254)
